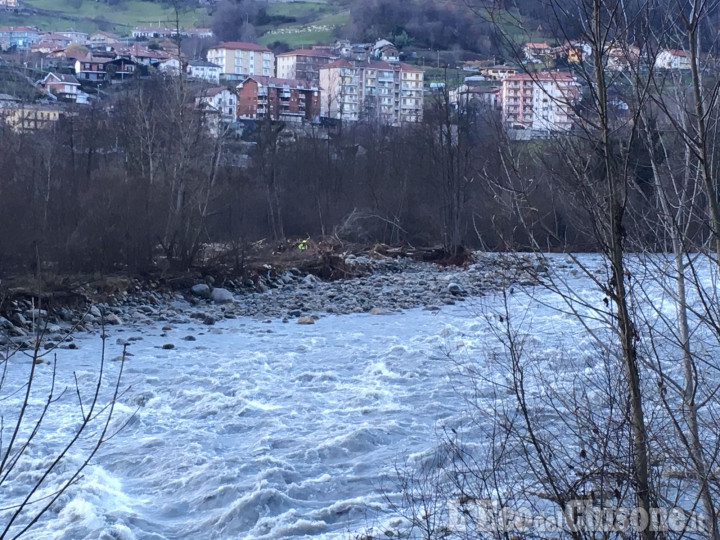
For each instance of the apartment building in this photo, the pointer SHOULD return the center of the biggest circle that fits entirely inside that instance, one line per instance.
(391, 93)
(239, 60)
(20, 37)
(541, 101)
(303, 64)
(31, 117)
(290, 100)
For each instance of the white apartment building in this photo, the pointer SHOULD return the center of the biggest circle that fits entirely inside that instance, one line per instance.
(389, 93)
(239, 60)
(539, 101)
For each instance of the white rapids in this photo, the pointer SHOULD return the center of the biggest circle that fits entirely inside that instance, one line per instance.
(269, 430)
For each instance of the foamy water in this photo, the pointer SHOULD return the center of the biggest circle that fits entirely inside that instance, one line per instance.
(270, 430)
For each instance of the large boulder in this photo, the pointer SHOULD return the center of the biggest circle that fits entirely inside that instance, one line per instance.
(221, 296)
(201, 289)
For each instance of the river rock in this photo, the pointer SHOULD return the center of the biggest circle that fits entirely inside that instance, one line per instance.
(455, 289)
(306, 320)
(113, 319)
(221, 296)
(201, 289)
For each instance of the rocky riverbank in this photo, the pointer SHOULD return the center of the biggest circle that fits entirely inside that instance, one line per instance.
(384, 285)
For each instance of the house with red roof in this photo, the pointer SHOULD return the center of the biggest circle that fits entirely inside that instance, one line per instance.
(672, 59)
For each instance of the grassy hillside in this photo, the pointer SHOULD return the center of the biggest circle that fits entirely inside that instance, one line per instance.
(318, 30)
(89, 15)
(314, 24)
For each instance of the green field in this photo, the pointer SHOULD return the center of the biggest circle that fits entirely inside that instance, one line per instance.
(300, 9)
(89, 15)
(318, 32)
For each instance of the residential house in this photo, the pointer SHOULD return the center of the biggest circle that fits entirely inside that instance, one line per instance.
(45, 47)
(391, 93)
(65, 87)
(200, 33)
(467, 95)
(156, 32)
(303, 64)
(142, 55)
(569, 53)
(541, 101)
(204, 70)
(20, 37)
(121, 68)
(672, 59)
(278, 99)
(536, 52)
(9, 4)
(173, 67)
(218, 100)
(384, 50)
(51, 43)
(92, 68)
(103, 68)
(103, 39)
(621, 57)
(75, 37)
(239, 60)
(146, 32)
(498, 72)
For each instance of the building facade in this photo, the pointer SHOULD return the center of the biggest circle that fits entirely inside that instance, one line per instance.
(303, 64)
(31, 117)
(290, 100)
(238, 60)
(672, 59)
(204, 70)
(65, 87)
(541, 101)
(20, 37)
(219, 101)
(391, 93)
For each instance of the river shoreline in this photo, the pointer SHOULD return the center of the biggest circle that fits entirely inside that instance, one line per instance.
(382, 285)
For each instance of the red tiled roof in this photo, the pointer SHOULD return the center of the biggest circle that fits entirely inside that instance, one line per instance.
(277, 82)
(239, 45)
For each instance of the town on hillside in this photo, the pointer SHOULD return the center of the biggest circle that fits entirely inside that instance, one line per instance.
(47, 75)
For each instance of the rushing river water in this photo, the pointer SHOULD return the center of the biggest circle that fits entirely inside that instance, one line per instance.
(255, 429)
(263, 429)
